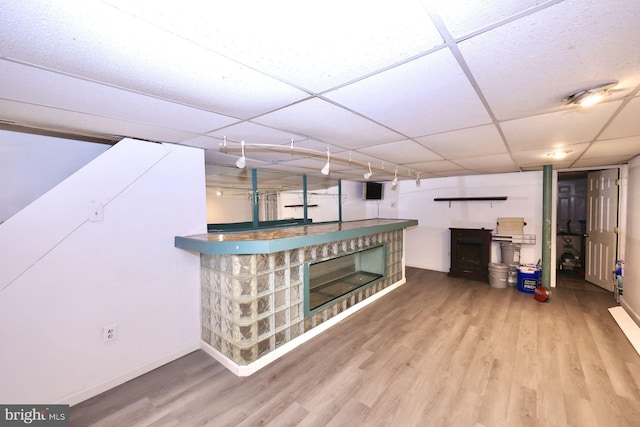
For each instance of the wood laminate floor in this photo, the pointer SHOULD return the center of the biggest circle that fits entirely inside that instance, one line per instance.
(574, 280)
(438, 351)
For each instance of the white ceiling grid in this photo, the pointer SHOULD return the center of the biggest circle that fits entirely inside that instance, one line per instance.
(436, 87)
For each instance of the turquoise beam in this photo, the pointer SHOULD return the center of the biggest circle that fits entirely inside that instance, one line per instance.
(254, 197)
(339, 200)
(304, 199)
(547, 191)
(266, 241)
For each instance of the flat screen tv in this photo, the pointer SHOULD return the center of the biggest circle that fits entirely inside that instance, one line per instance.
(372, 190)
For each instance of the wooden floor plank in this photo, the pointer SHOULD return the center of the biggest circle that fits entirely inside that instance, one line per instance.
(437, 351)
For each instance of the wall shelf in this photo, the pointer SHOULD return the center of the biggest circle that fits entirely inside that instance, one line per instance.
(524, 239)
(469, 199)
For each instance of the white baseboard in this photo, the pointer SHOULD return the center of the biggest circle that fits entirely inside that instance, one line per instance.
(92, 391)
(634, 316)
(246, 370)
(628, 326)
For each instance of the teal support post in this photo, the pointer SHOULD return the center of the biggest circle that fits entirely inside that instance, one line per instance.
(339, 200)
(304, 198)
(254, 197)
(547, 265)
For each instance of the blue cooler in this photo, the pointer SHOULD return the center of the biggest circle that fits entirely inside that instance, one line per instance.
(528, 278)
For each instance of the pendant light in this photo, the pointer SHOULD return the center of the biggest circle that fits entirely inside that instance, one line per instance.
(242, 161)
(327, 166)
(367, 175)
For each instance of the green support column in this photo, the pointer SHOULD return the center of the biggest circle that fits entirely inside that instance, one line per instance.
(547, 265)
(339, 200)
(304, 199)
(254, 197)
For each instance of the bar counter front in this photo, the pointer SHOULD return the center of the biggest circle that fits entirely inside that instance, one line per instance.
(266, 291)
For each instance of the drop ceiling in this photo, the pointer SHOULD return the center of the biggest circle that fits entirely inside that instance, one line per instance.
(435, 88)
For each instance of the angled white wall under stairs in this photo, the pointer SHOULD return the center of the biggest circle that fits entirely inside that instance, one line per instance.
(98, 250)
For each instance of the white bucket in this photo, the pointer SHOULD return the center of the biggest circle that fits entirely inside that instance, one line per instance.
(498, 275)
(510, 253)
(512, 276)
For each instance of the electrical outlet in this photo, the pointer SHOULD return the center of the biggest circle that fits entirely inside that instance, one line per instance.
(109, 333)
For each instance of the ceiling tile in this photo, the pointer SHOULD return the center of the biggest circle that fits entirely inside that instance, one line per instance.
(599, 162)
(435, 167)
(559, 128)
(503, 161)
(329, 123)
(436, 88)
(319, 146)
(626, 123)
(400, 152)
(541, 58)
(203, 141)
(613, 147)
(463, 17)
(391, 92)
(256, 133)
(316, 45)
(453, 173)
(492, 170)
(36, 86)
(70, 121)
(135, 54)
(540, 157)
(471, 142)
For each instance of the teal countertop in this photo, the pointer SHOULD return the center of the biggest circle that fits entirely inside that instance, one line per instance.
(281, 239)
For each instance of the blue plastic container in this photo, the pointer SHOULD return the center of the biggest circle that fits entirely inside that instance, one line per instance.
(528, 278)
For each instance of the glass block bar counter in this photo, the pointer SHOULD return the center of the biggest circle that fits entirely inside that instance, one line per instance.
(264, 292)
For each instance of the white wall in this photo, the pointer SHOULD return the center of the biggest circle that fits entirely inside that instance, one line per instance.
(326, 199)
(428, 244)
(30, 165)
(231, 206)
(354, 208)
(236, 206)
(631, 297)
(62, 277)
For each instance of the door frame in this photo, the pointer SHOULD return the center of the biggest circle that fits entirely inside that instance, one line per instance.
(622, 211)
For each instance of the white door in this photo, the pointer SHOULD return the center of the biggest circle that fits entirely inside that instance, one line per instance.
(602, 223)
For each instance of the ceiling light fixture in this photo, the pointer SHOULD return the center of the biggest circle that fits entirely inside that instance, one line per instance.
(561, 154)
(394, 183)
(367, 175)
(242, 161)
(290, 148)
(587, 97)
(327, 166)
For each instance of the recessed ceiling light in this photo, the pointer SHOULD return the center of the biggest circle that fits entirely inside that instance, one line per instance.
(591, 96)
(561, 154)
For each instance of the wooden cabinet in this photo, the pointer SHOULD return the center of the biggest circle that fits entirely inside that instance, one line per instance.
(470, 253)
